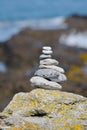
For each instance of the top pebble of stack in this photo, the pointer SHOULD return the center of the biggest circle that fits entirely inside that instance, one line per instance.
(47, 50)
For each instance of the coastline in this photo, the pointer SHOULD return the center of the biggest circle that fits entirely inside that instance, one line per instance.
(72, 34)
(9, 29)
(21, 56)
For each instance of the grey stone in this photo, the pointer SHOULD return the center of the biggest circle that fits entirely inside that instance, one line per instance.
(59, 78)
(43, 109)
(59, 69)
(49, 62)
(47, 52)
(45, 56)
(51, 74)
(46, 48)
(40, 82)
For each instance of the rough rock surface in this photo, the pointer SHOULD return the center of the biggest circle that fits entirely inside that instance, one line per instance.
(45, 110)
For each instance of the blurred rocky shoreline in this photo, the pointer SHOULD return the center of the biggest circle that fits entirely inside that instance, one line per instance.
(21, 56)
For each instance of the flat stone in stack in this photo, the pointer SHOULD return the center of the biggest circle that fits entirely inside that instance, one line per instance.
(44, 56)
(49, 62)
(47, 52)
(41, 82)
(56, 68)
(48, 48)
(49, 75)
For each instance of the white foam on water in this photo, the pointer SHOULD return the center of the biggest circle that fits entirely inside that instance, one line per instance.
(74, 39)
(8, 29)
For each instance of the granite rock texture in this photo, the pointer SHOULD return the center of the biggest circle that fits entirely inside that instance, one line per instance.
(45, 110)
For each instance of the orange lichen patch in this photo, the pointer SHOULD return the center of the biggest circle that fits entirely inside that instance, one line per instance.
(76, 74)
(83, 57)
(78, 127)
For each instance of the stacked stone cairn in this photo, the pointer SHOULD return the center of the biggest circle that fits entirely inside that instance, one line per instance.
(49, 75)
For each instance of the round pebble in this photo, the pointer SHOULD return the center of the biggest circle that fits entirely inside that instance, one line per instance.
(59, 69)
(46, 48)
(45, 56)
(49, 62)
(47, 52)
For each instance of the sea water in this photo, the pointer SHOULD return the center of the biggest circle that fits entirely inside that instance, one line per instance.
(15, 10)
(38, 14)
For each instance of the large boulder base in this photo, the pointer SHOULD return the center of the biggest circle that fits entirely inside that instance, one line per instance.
(45, 110)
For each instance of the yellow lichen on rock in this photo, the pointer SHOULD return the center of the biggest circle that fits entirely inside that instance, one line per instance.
(78, 127)
(46, 110)
(26, 126)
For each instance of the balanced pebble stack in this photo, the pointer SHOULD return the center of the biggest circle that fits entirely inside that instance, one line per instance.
(49, 75)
